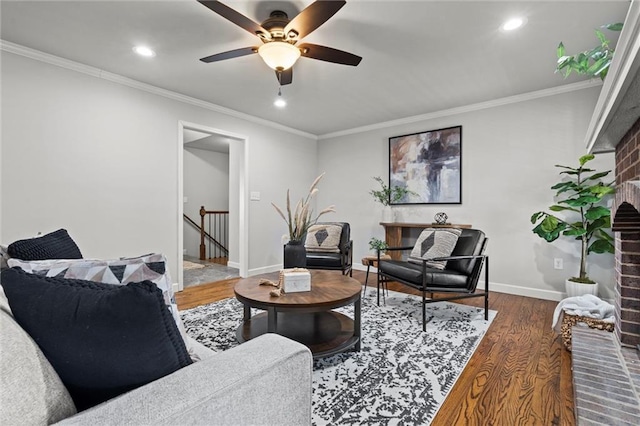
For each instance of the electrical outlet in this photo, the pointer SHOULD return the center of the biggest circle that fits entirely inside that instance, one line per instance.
(557, 263)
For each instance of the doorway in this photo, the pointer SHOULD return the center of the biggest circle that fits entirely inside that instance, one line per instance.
(219, 156)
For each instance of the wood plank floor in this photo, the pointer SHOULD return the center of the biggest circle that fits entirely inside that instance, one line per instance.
(519, 375)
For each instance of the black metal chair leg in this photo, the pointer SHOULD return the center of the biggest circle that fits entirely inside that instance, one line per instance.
(424, 310)
(486, 288)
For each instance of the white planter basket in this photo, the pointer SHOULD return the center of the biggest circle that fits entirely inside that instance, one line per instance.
(574, 289)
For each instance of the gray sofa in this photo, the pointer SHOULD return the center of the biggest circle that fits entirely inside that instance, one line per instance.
(266, 381)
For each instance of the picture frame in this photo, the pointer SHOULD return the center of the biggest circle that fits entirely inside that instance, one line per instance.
(429, 164)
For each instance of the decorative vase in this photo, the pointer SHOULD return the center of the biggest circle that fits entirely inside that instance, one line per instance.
(574, 289)
(295, 255)
(387, 214)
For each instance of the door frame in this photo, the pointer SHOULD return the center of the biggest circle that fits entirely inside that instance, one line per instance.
(241, 142)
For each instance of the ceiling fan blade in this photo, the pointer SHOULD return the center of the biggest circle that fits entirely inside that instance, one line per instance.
(230, 54)
(329, 54)
(285, 77)
(313, 16)
(237, 18)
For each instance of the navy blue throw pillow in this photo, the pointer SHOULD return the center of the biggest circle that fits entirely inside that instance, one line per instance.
(56, 245)
(102, 340)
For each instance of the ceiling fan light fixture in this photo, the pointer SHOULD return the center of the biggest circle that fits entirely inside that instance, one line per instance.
(279, 54)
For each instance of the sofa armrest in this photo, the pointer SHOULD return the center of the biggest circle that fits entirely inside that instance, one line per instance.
(264, 381)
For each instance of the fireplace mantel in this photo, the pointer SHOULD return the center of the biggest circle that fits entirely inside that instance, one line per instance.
(618, 107)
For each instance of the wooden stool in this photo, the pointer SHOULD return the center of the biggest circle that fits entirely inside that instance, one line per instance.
(370, 261)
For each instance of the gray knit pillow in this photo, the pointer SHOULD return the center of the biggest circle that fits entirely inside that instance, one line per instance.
(323, 238)
(434, 243)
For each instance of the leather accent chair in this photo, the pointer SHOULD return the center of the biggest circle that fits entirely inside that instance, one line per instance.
(460, 275)
(342, 261)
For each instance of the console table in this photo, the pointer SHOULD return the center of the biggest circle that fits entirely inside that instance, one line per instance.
(393, 232)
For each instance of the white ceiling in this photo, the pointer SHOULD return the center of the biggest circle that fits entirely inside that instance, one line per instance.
(418, 56)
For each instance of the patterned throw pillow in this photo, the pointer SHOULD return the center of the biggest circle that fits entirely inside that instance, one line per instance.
(435, 243)
(151, 267)
(323, 238)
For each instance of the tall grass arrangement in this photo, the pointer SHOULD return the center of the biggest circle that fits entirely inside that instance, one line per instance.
(302, 218)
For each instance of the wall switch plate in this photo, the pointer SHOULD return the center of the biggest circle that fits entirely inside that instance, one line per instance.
(254, 196)
(557, 263)
(185, 199)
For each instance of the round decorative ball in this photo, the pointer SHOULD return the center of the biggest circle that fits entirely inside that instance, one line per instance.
(441, 218)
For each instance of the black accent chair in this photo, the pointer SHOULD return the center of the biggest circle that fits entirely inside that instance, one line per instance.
(342, 261)
(460, 276)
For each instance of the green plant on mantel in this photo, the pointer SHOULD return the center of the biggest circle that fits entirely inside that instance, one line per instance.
(594, 62)
(387, 195)
(376, 244)
(584, 194)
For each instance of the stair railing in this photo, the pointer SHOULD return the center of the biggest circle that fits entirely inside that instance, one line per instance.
(215, 224)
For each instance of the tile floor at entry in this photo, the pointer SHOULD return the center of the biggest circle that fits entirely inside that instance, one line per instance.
(212, 272)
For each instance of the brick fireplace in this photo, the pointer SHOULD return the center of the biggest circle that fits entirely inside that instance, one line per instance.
(625, 215)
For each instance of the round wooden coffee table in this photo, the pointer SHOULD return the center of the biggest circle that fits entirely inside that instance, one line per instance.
(305, 317)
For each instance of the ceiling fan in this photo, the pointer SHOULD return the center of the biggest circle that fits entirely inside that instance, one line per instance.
(279, 36)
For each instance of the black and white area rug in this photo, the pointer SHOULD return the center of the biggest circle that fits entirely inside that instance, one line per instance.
(401, 376)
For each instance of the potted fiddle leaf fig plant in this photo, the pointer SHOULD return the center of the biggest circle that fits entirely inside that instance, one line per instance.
(594, 62)
(581, 197)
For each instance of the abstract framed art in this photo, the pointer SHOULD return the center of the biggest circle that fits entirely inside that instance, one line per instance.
(429, 164)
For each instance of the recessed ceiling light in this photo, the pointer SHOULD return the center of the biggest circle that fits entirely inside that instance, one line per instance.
(513, 24)
(144, 51)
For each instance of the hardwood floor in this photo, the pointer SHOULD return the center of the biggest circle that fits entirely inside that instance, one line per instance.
(519, 375)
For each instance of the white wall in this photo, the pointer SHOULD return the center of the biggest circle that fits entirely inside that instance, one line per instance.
(206, 183)
(508, 158)
(101, 159)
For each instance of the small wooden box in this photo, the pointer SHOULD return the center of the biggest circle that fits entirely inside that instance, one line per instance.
(294, 282)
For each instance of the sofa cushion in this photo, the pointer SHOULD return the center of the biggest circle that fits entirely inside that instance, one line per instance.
(31, 393)
(434, 243)
(55, 245)
(102, 339)
(323, 238)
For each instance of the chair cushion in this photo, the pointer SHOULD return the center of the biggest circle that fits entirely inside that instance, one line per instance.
(412, 273)
(56, 245)
(324, 260)
(323, 238)
(31, 392)
(102, 339)
(435, 243)
(470, 243)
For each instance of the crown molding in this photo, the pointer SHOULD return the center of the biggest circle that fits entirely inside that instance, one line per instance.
(468, 108)
(116, 78)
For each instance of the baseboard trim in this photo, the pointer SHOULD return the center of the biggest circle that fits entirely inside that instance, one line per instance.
(233, 265)
(524, 291)
(265, 270)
